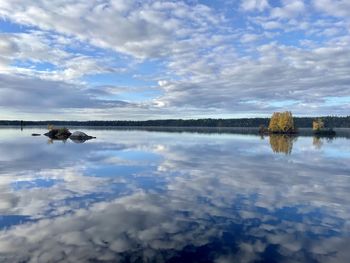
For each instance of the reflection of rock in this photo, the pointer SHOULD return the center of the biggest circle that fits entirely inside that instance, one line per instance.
(58, 134)
(79, 140)
(80, 137)
(281, 143)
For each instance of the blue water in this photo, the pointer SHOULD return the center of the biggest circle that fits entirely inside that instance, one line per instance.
(140, 196)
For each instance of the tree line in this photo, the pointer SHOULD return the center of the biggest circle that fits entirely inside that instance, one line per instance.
(300, 122)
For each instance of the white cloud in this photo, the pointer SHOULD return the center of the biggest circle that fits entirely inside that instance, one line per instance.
(141, 30)
(22, 52)
(270, 25)
(280, 73)
(250, 5)
(289, 9)
(340, 8)
(246, 38)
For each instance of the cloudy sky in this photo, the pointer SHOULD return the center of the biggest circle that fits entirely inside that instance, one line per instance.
(132, 59)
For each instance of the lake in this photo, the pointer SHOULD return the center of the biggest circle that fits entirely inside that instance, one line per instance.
(153, 196)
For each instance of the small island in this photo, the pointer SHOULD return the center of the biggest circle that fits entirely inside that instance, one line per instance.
(283, 123)
(318, 128)
(280, 123)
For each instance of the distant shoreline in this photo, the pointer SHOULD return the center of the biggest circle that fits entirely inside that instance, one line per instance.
(300, 122)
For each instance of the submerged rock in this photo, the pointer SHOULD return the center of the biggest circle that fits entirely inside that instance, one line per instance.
(36, 134)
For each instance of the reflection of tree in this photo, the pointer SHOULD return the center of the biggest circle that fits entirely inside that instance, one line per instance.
(281, 143)
(51, 141)
(317, 142)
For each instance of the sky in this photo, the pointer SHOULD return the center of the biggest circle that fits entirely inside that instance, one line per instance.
(138, 60)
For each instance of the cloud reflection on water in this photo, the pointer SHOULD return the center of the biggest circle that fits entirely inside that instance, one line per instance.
(220, 197)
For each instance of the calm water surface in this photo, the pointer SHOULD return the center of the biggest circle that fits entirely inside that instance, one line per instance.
(138, 196)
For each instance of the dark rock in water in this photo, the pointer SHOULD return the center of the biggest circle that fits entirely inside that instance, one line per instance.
(58, 134)
(64, 134)
(80, 137)
(36, 134)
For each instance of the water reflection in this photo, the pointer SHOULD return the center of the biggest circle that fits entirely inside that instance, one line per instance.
(282, 143)
(142, 196)
(52, 141)
(318, 141)
(75, 140)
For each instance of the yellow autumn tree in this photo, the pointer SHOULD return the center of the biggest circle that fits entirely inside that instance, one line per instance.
(273, 125)
(317, 124)
(286, 123)
(282, 122)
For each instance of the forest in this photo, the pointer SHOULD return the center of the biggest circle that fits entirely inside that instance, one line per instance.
(299, 122)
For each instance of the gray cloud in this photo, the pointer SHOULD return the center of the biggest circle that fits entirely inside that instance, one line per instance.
(280, 73)
(334, 8)
(44, 95)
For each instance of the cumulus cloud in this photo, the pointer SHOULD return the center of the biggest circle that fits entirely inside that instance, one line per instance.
(334, 8)
(280, 73)
(290, 8)
(25, 52)
(259, 5)
(143, 29)
(246, 38)
(201, 56)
